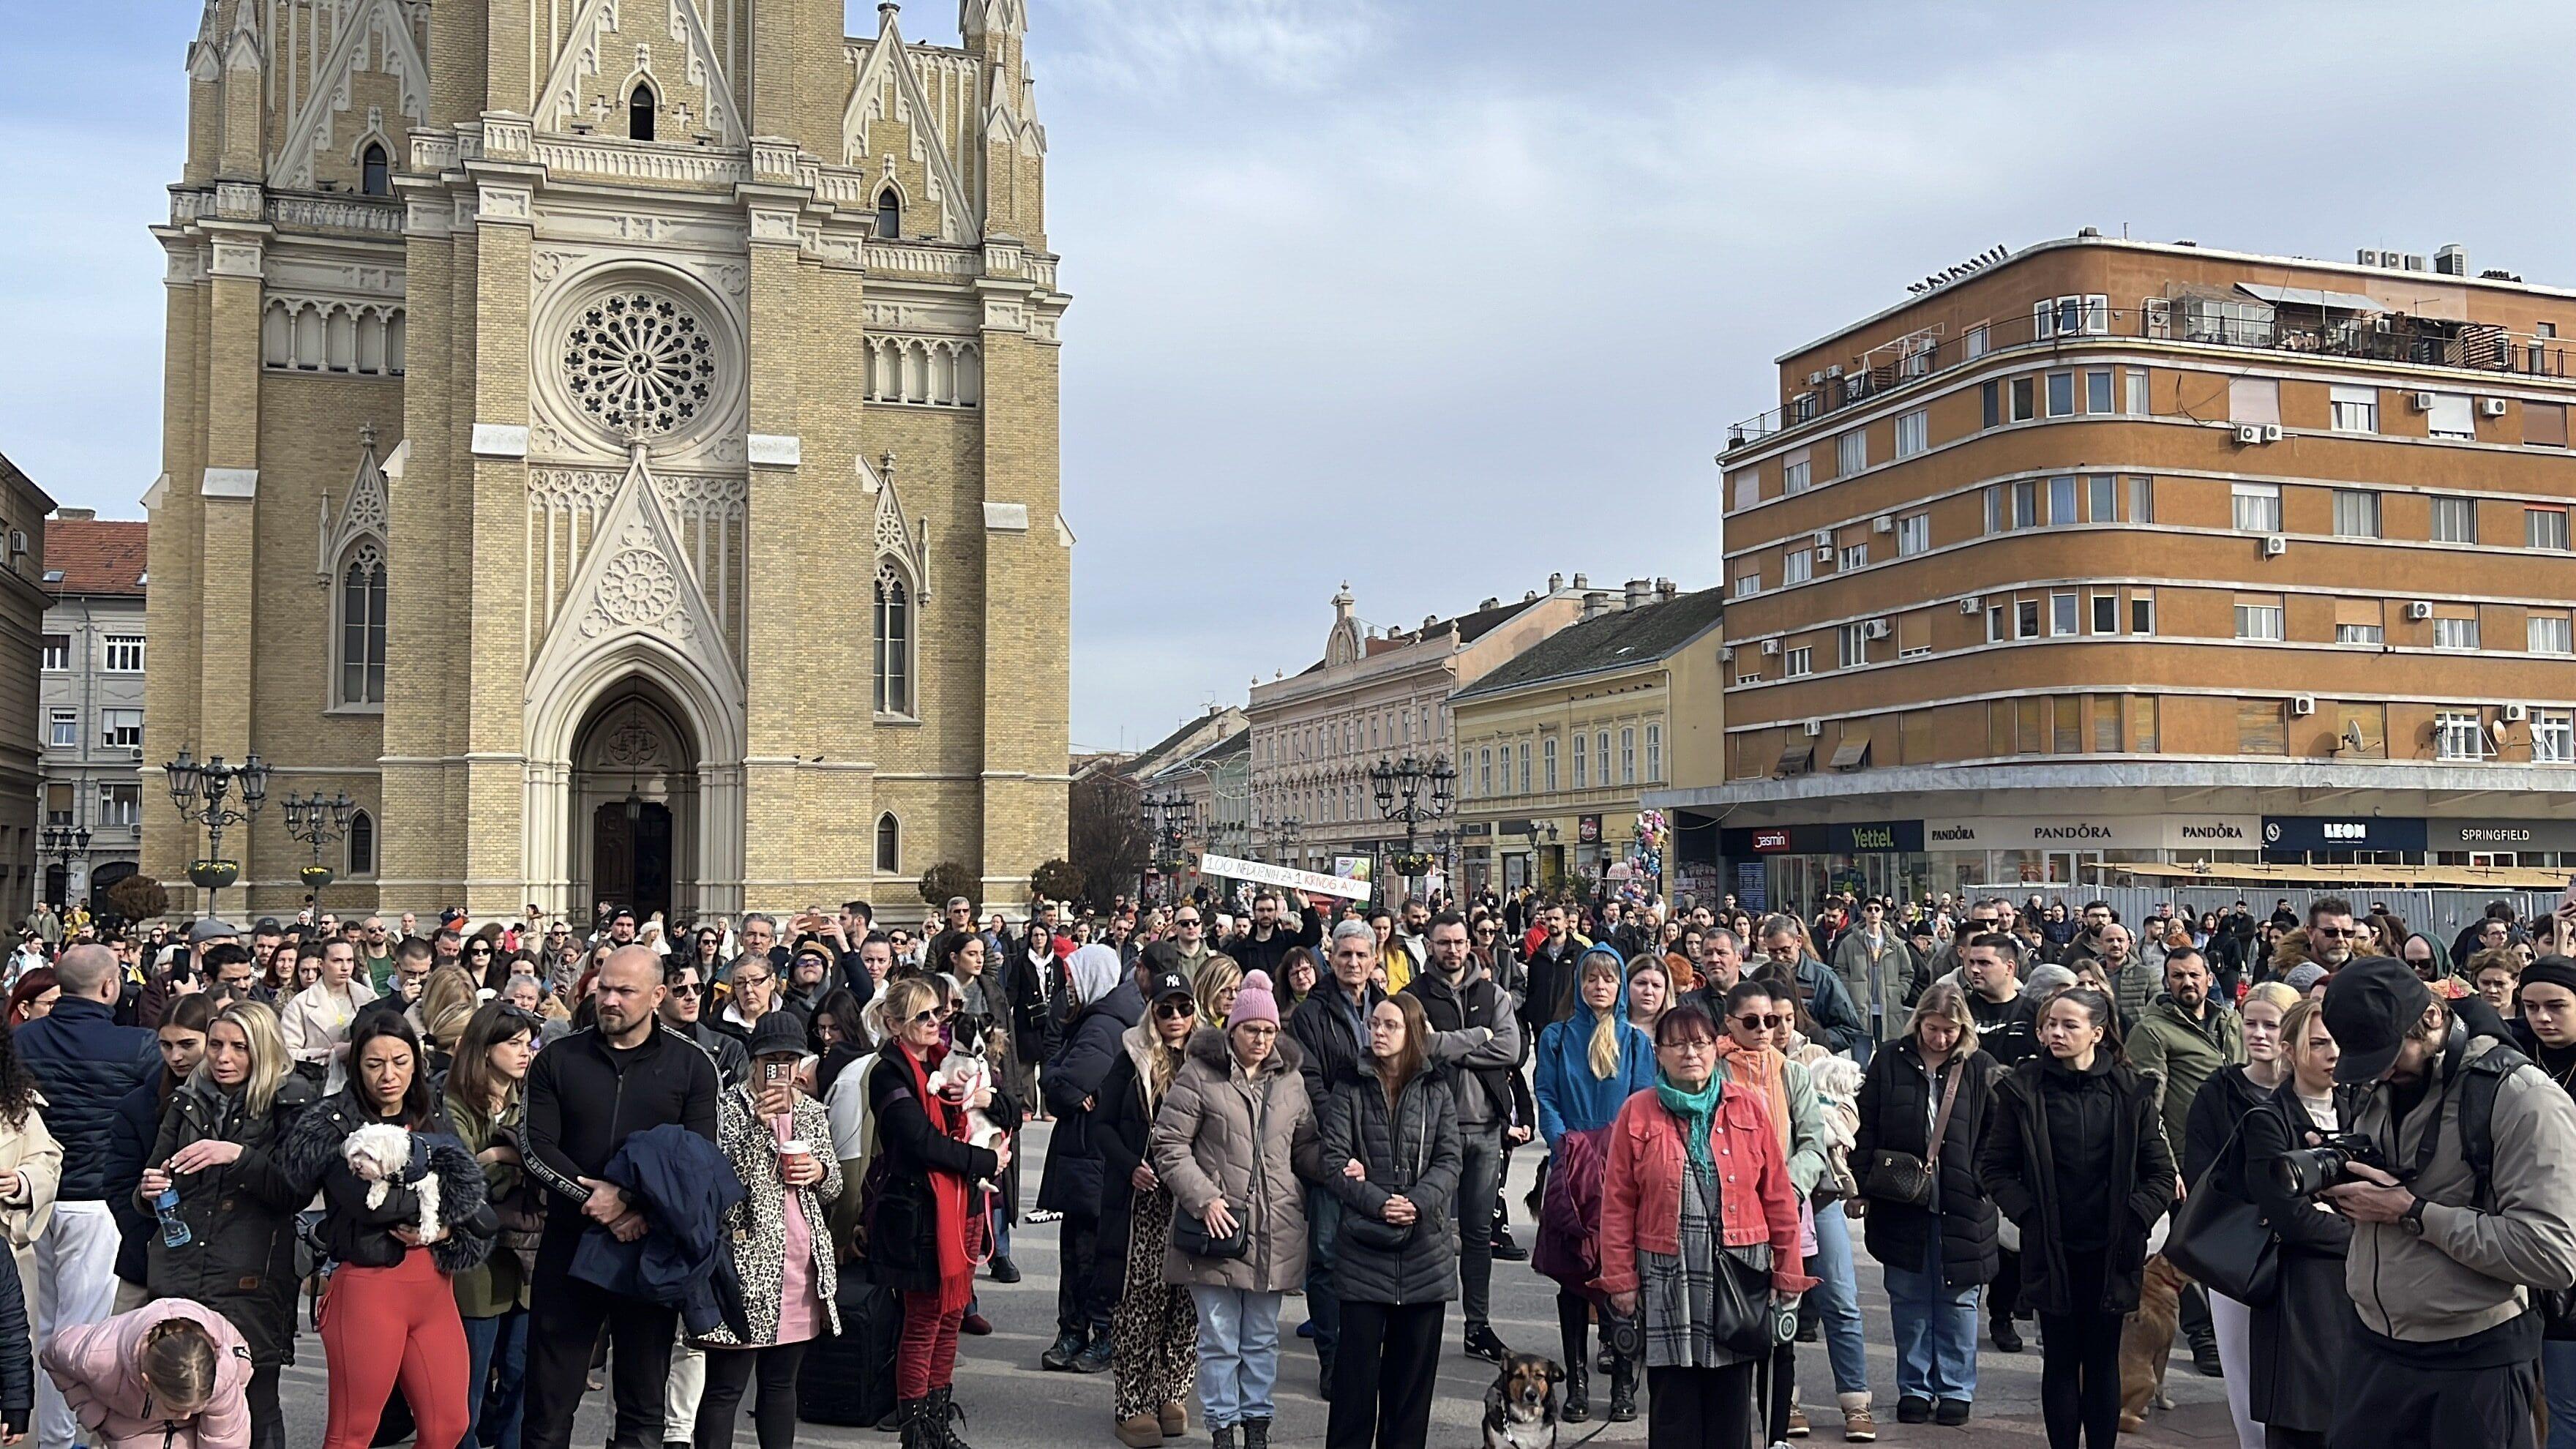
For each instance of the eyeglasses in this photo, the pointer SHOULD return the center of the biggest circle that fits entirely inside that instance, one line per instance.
(2336, 933)
(1175, 1010)
(1751, 1022)
(753, 978)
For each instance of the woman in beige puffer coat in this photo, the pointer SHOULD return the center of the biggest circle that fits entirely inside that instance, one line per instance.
(1234, 1141)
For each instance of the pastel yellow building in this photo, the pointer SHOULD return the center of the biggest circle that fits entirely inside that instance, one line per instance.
(615, 441)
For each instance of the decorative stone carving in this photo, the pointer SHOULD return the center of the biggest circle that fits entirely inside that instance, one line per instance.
(637, 588)
(640, 362)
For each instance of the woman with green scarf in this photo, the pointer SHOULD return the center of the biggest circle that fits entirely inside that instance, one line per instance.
(1696, 1187)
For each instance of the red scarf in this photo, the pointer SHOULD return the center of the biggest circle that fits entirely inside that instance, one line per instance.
(953, 1226)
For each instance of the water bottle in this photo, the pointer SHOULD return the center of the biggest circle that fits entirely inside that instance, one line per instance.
(174, 1228)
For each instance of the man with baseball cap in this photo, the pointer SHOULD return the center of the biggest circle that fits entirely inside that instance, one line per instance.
(2452, 1237)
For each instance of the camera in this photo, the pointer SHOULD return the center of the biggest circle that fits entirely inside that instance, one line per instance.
(2308, 1171)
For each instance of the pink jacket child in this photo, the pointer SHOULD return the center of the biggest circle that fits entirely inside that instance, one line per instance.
(100, 1369)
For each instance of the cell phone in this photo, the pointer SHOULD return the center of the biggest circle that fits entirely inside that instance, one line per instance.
(773, 1073)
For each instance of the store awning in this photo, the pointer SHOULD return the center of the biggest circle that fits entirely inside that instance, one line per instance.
(2310, 297)
(1849, 754)
(1797, 756)
(2467, 876)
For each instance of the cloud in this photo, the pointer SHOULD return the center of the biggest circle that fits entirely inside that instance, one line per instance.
(1155, 47)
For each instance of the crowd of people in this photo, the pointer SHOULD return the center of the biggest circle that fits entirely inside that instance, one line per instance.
(764, 1163)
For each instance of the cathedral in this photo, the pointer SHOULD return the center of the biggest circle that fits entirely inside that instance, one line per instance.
(615, 443)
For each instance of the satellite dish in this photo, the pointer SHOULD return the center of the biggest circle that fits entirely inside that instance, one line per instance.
(2352, 739)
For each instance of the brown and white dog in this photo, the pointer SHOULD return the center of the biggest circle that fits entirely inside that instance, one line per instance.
(1520, 1409)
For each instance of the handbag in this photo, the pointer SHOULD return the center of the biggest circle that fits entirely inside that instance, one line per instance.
(2221, 1239)
(1740, 1318)
(1190, 1234)
(1902, 1177)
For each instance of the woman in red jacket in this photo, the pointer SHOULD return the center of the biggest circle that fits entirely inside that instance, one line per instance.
(1695, 1188)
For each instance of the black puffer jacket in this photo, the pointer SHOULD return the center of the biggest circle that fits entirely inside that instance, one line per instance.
(85, 1064)
(2018, 1167)
(1414, 1151)
(17, 1358)
(1322, 1028)
(240, 1256)
(362, 1236)
(1896, 1103)
(1074, 1175)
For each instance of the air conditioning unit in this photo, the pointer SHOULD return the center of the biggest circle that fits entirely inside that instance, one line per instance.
(1824, 538)
(1969, 605)
(1725, 653)
(1770, 646)
(2275, 546)
(1874, 629)
(1824, 553)
(2302, 705)
(1836, 370)
(2249, 434)
(2517, 713)
(2419, 611)
(1882, 524)
(1815, 379)
(2421, 402)
(2492, 407)
(1814, 727)
(2271, 432)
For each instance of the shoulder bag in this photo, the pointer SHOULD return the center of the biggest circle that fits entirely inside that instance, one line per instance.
(2220, 1238)
(1901, 1177)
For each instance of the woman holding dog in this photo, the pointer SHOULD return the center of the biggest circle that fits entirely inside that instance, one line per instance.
(1696, 1190)
(1153, 1332)
(2075, 1155)
(219, 1146)
(1232, 1138)
(390, 1312)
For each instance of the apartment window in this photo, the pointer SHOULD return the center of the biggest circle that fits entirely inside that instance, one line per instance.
(2029, 736)
(1583, 763)
(2261, 727)
(2544, 425)
(2459, 734)
(1797, 566)
(2106, 724)
(2026, 618)
(2553, 737)
(2142, 612)
(1748, 487)
(2455, 520)
(1913, 634)
(2106, 613)
(2551, 634)
(2356, 409)
(2067, 726)
(2257, 507)
(2253, 400)
(1547, 762)
(1797, 663)
(2025, 405)
(1995, 631)
(2062, 615)
(120, 805)
(2071, 316)
(1749, 582)
(1913, 534)
(2102, 498)
(2137, 377)
(2142, 499)
(1851, 452)
(58, 804)
(1855, 645)
(2061, 500)
(1525, 767)
(1628, 756)
(1991, 396)
(57, 652)
(2061, 394)
(1913, 432)
(2356, 513)
(1601, 757)
(2143, 717)
(122, 729)
(2456, 633)
(1853, 556)
(2258, 616)
(2097, 390)
(1995, 507)
(1485, 773)
(2360, 634)
(1979, 344)
(2026, 503)
(2453, 415)
(62, 728)
(125, 654)
(2545, 528)
(1795, 473)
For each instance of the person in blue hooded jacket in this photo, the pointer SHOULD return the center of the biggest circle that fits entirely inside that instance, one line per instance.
(1588, 1066)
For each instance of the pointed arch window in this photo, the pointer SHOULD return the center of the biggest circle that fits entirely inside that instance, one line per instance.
(889, 215)
(375, 174)
(361, 603)
(894, 642)
(362, 844)
(889, 844)
(639, 113)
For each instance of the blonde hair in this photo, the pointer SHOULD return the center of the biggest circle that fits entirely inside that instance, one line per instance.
(1604, 1053)
(1218, 973)
(2278, 994)
(1945, 1001)
(2294, 1027)
(178, 1363)
(447, 1002)
(269, 1064)
(905, 999)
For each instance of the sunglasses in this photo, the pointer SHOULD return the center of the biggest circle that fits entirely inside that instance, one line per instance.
(479, 951)
(2332, 932)
(1751, 1022)
(1186, 921)
(925, 1018)
(1175, 1010)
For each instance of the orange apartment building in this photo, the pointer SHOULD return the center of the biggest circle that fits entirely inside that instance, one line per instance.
(2115, 551)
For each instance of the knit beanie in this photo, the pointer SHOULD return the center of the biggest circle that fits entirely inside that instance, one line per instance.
(2550, 971)
(1253, 1001)
(2304, 976)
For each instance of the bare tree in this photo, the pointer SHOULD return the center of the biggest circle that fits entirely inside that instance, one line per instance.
(1107, 838)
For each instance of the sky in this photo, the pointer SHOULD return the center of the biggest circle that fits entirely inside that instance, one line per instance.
(1438, 297)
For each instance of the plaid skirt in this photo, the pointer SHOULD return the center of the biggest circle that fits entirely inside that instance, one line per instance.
(1678, 1293)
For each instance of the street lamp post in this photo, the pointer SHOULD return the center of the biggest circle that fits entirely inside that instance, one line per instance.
(1283, 837)
(198, 788)
(1169, 816)
(318, 822)
(63, 843)
(1403, 779)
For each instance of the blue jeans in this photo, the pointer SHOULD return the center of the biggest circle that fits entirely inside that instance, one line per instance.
(2558, 1370)
(1838, 1296)
(1936, 1330)
(1238, 1354)
(497, 1357)
(1323, 1234)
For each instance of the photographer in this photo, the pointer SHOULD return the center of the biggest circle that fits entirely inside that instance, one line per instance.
(2465, 1211)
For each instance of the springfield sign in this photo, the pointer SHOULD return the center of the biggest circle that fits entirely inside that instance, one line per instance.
(2094, 832)
(1339, 887)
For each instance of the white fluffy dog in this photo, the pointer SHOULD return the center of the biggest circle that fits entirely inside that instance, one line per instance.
(379, 1154)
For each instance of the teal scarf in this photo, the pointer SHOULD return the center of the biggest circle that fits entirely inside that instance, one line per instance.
(1697, 1111)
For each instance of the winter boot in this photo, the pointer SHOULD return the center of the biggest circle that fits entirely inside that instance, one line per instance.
(1578, 1397)
(945, 1416)
(1623, 1391)
(1256, 1434)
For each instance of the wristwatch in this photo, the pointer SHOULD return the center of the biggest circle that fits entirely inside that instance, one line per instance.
(2413, 1218)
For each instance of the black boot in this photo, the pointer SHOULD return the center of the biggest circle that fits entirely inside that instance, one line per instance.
(1221, 1437)
(1256, 1433)
(1623, 1391)
(912, 1416)
(1578, 1396)
(945, 1416)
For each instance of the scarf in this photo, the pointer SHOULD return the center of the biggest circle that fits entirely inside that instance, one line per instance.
(947, 1190)
(1698, 1113)
(1759, 1069)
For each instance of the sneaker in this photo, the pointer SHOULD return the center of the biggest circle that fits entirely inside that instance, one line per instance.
(1005, 1271)
(2007, 1338)
(1952, 1412)
(1059, 1356)
(2204, 1357)
(1859, 1427)
(1481, 1343)
(975, 1325)
(1798, 1423)
(1094, 1358)
(1507, 1251)
(1913, 1410)
(1306, 1329)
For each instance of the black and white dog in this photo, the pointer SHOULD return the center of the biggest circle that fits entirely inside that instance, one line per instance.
(1520, 1409)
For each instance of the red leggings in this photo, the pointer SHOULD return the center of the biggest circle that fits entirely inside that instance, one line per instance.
(382, 1323)
(925, 1357)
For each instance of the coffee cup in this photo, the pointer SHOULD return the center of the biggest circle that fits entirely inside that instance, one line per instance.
(794, 1154)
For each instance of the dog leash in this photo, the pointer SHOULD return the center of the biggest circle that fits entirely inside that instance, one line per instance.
(1588, 1438)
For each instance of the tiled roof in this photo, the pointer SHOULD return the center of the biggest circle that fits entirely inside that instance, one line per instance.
(95, 555)
(1622, 636)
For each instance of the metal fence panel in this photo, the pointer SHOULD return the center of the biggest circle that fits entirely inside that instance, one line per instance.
(2440, 914)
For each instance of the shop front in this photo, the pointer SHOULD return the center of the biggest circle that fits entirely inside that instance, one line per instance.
(2529, 843)
(1793, 867)
(2345, 839)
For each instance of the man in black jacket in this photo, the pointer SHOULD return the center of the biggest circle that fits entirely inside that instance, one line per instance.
(1331, 1029)
(586, 1094)
(1550, 974)
(1456, 994)
(1261, 948)
(683, 1010)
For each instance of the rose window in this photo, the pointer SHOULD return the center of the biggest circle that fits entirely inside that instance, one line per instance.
(640, 363)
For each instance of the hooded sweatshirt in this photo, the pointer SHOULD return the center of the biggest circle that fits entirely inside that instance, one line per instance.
(1570, 1097)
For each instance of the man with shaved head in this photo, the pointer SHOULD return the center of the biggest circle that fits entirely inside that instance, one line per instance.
(84, 1063)
(587, 1094)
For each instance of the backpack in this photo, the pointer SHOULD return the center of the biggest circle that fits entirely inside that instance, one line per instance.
(2480, 1080)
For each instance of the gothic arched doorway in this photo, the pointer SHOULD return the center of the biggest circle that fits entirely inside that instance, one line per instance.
(635, 806)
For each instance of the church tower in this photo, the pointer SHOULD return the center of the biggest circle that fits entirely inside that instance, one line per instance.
(615, 441)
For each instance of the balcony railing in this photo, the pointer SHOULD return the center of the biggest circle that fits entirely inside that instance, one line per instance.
(2238, 324)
